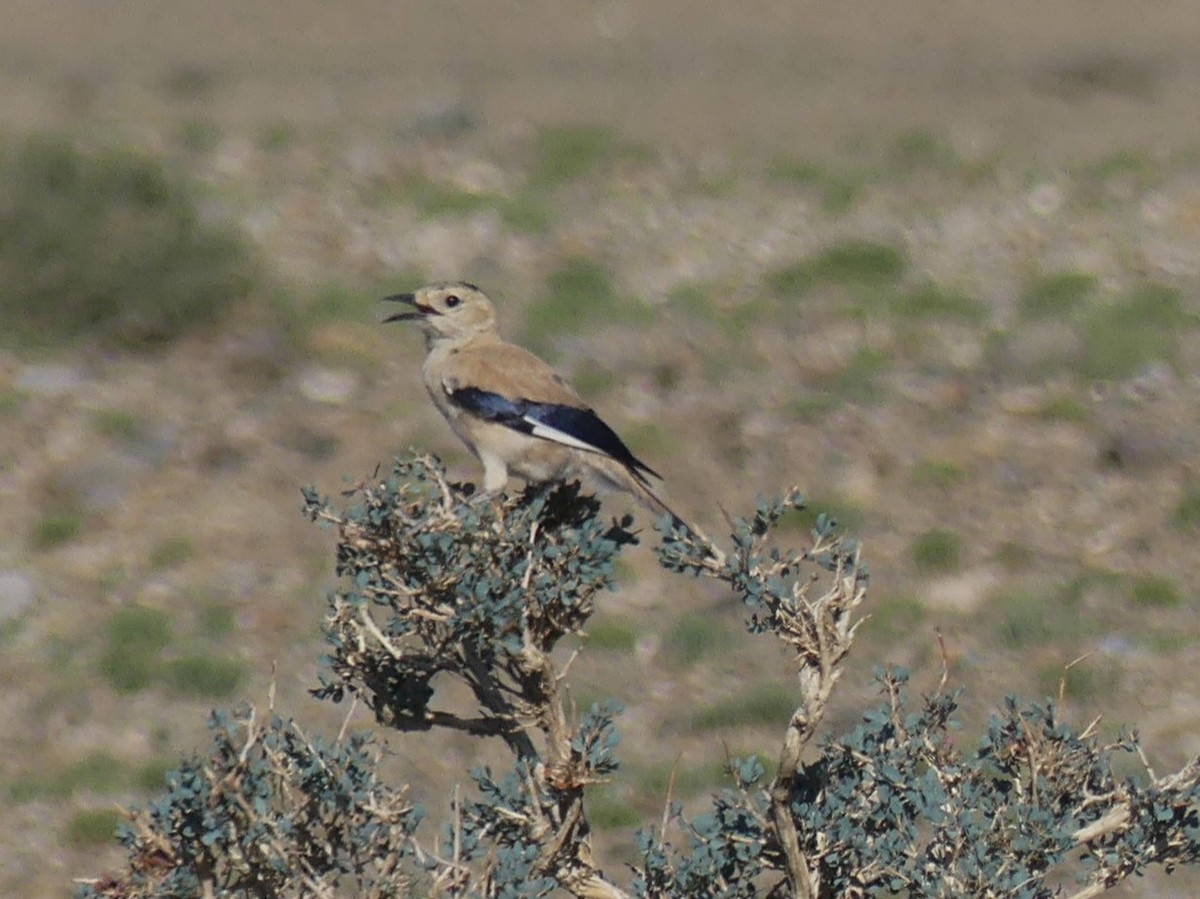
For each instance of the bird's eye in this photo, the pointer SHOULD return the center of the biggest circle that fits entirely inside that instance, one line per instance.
(452, 301)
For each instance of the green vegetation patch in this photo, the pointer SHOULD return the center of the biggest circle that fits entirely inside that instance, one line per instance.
(937, 550)
(108, 245)
(1081, 682)
(692, 638)
(683, 781)
(199, 136)
(850, 263)
(922, 149)
(1015, 556)
(859, 379)
(790, 281)
(694, 302)
(151, 776)
(812, 407)
(609, 809)
(216, 619)
(613, 633)
(837, 189)
(938, 473)
(57, 528)
(434, 199)
(593, 380)
(97, 772)
(526, 213)
(567, 153)
(276, 137)
(1128, 165)
(1155, 591)
(859, 262)
(1064, 408)
(768, 705)
(171, 552)
(935, 301)
(92, 827)
(343, 302)
(578, 293)
(1187, 513)
(896, 616)
(1027, 619)
(204, 676)
(1143, 327)
(11, 402)
(1056, 295)
(117, 424)
(136, 635)
(1037, 617)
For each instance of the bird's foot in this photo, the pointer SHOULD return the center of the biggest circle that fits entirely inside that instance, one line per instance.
(483, 496)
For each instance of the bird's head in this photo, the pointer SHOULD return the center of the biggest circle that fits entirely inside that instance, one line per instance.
(455, 310)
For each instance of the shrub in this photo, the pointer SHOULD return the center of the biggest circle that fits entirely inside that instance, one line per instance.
(436, 585)
(109, 245)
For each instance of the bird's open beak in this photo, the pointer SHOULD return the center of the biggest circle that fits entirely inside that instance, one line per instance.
(409, 300)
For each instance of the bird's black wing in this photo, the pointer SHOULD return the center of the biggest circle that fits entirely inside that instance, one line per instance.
(572, 426)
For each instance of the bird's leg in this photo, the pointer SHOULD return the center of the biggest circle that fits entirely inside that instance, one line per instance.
(495, 474)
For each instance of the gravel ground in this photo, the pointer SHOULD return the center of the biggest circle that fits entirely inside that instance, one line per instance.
(924, 394)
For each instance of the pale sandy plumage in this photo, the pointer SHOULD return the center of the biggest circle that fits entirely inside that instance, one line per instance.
(509, 407)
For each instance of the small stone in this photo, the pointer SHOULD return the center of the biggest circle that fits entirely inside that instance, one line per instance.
(1045, 199)
(312, 443)
(646, 648)
(1157, 208)
(257, 356)
(244, 429)
(860, 484)
(1152, 381)
(366, 160)
(334, 386)
(1142, 442)
(1021, 400)
(156, 593)
(1117, 645)
(17, 593)
(48, 379)
(154, 445)
(961, 593)
(97, 484)
(479, 177)
(233, 157)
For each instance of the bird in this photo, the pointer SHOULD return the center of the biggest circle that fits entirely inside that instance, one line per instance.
(512, 410)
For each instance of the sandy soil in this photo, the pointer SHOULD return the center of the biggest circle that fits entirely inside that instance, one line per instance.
(1069, 79)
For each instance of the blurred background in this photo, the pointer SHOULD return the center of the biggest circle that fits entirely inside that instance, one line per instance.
(935, 262)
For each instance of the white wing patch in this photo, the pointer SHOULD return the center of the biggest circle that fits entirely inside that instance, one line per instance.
(540, 429)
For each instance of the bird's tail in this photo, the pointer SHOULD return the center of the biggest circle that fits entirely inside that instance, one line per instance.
(615, 476)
